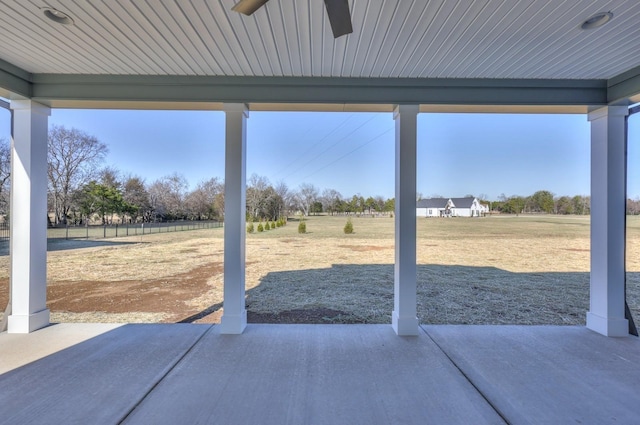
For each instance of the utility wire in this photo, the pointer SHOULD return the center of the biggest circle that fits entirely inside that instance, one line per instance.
(315, 144)
(348, 153)
(329, 148)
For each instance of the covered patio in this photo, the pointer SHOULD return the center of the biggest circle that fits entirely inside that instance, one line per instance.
(320, 374)
(403, 58)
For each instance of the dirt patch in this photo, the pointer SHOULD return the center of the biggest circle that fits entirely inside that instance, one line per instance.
(576, 250)
(364, 248)
(170, 295)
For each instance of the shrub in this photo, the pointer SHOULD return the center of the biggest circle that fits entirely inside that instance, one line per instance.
(302, 227)
(273, 225)
(279, 223)
(348, 228)
(250, 227)
(260, 228)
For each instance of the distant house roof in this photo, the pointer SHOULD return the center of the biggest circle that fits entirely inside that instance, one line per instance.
(462, 202)
(432, 203)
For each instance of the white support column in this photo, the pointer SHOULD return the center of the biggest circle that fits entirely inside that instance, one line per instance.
(608, 209)
(234, 318)
(28, 217)
(404, 319)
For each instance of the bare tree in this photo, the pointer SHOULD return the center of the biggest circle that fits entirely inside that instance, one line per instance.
(307, 195)
(157, 208)
(111, 177)
(201, 202)
(256, 187)
(167, 196)
(282, 190)
(5, 175)
(330, 200)
(74, 157)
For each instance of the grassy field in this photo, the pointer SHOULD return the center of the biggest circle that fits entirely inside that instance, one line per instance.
(494, 270)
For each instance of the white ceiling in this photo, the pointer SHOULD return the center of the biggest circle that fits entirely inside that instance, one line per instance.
(404, 38)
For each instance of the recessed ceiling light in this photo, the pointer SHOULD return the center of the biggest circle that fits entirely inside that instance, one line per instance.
(57, 16)
(597, 20)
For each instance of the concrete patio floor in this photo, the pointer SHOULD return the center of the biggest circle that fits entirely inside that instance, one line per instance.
(318, 374)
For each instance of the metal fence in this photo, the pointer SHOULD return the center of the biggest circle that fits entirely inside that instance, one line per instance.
(118, 230)
(4, 231)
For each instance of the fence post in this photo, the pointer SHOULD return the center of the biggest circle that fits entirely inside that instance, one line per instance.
(104, 231)
(116, 230)
(66, 233)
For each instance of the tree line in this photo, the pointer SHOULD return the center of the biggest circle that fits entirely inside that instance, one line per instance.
(266, 201)
(542, 201)
(81, 189)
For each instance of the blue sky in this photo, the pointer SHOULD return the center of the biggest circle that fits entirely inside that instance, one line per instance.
(458, 154)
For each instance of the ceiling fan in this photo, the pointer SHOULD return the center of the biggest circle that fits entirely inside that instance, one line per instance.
(337, 11)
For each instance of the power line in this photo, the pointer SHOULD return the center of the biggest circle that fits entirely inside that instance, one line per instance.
(348, 153)
(315, 144)
(329, 148)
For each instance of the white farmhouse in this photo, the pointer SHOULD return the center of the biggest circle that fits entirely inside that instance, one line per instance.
(450, 207)
(434, 207)
(467, 207)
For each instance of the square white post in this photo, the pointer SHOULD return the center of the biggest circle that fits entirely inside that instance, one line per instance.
(234, 318)
(28, 217)
(404, 318)
(608, 209)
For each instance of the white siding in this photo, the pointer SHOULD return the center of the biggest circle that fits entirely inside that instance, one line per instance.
(461, 212)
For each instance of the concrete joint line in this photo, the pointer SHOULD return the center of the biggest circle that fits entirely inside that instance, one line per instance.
(155, 385)
(493, 406)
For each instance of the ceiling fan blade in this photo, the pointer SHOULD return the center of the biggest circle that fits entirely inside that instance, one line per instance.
(339, 17)
(247, 7)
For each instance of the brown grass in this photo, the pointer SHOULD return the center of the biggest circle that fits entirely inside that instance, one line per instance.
(518, 270)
